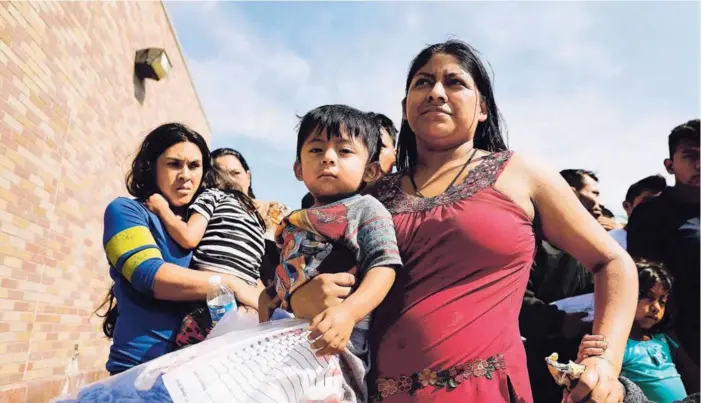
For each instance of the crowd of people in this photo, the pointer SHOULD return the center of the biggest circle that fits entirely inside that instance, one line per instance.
(434, 282)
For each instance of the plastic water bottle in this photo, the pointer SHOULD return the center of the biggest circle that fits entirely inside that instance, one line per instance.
(220, 299)
(281, 314)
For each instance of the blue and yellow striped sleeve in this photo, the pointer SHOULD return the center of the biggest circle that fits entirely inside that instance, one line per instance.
(129, 245)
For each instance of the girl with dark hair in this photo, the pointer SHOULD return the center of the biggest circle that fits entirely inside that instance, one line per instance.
(149, 269)
(466, 212)
(650, 354)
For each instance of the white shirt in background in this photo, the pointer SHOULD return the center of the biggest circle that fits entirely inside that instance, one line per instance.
(621, 236)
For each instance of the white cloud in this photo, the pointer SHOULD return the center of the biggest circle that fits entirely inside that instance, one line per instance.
(253, 86)
(590, 130)
(248, 88)
(562, 32)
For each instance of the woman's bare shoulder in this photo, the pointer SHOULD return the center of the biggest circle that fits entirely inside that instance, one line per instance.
(531, 169)
(521, 179)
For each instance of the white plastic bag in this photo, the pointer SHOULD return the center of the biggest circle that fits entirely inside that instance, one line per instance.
(233, 321)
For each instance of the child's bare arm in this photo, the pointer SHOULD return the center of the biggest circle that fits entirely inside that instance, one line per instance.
(246, 293)
(336, 323)
(265, 304)
(186, 234)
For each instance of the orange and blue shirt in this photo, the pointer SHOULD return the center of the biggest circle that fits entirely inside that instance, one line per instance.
(137, 245)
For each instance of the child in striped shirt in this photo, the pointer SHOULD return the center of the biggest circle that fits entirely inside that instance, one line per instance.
(226, 231)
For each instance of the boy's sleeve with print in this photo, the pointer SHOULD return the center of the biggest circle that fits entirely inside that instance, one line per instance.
(371, 233)
(129, 244)
(205, 203)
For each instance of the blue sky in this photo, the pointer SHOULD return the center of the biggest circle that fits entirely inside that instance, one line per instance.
(595, 85)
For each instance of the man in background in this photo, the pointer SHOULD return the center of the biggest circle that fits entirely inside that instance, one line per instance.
(585, 185)
(388, 141)
(556, 275)
(665, 229)
(641, 191)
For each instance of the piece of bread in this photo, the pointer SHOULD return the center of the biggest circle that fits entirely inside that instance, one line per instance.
(564, 374)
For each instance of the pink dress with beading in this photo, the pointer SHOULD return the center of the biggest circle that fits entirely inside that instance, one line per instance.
(448, 330)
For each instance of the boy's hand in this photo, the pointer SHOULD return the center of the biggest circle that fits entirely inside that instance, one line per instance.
(157, 203)
(591, 346)
(265, 306)
(335, 326)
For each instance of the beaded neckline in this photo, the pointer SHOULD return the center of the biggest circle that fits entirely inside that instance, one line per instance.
(388, 189)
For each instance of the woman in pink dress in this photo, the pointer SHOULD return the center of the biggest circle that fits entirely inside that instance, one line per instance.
(467, 213)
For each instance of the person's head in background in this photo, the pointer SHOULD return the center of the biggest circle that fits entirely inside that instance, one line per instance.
(642, 190)
(655, 285)
(337, 152)
(388, 139)
(585, 186)
(606, 212)
(233, 163)
(219, 178)
(683, 161)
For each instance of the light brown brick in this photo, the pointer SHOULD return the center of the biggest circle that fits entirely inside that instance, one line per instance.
(69, 123)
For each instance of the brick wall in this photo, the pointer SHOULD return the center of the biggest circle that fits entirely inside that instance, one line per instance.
(71, 117)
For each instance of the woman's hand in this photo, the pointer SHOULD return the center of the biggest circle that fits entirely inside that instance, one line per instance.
(598, 384)
(321, 293)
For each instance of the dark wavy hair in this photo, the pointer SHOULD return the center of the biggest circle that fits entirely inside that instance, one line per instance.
(488, 134)
(385, 123)
(141, 179)
(575, 177)
(688, 131)
(223, 152)
(654, 183)
(141, 183)
(650, 274)
(217, 178)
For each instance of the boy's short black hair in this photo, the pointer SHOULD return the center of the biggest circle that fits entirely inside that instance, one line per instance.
(688, 131)
(575, 177)
(607, 213)
(333, 119)
(307, 201)
(385, 123)
(653, 183)
(649, 274)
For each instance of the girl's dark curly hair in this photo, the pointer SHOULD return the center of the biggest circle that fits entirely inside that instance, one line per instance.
(217, 178)
(223, 152)
(650, 274)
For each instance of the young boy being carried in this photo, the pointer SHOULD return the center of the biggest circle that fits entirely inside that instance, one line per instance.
(337, 155)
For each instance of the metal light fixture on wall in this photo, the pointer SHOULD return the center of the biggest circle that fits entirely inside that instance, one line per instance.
(152, 63)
